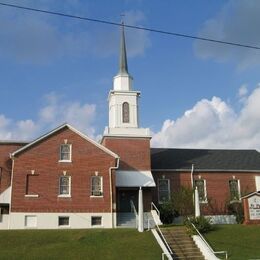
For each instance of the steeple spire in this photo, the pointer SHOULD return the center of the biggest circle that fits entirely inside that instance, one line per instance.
(123, 69)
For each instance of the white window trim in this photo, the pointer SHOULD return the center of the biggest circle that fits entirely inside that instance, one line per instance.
(169, 190)
(63, 226)
(66, 161)
(65, 195)
(257, 183)
(239, 191)
(205, 190)
(96, 226)
(102, 192)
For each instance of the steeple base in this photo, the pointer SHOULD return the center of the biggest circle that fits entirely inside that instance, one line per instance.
(127, 132)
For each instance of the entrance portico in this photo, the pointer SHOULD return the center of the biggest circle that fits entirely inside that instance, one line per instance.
(134, 193)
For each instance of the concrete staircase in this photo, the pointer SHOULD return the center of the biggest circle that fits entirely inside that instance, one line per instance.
(181, 244)
(128, 220)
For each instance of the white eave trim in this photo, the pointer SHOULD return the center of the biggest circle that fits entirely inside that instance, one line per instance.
(251, 194)
(72, 129)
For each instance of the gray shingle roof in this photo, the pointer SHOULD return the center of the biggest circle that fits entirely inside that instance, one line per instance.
(205, 159)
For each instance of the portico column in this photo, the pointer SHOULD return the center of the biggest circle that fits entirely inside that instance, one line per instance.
(197, 203)
(140, 211)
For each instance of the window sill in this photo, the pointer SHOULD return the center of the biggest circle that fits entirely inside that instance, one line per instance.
(93, 196)
(64, 196)
(65, 161)
(235, 201)
(31, 196)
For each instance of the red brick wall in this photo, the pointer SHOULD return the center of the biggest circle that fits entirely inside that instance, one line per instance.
(43, 158)
(6, 163)
(134, 152)
(217, 186)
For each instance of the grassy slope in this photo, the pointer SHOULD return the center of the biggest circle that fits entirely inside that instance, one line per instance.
(78, 244)
(241, 242)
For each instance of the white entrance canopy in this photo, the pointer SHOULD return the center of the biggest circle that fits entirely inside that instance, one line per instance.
(5, 197)
(134, 179)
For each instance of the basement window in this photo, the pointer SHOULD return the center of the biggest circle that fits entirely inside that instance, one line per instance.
(64, 221)
(30, 221)
(96, 221)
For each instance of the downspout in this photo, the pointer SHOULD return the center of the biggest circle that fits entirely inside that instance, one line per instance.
(111, 188)
(191, 175)
(12, 175)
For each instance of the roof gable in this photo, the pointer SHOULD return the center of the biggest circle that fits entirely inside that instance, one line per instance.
(45, 136)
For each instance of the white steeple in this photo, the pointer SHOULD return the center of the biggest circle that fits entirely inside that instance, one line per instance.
(122, 81)
(123, 101)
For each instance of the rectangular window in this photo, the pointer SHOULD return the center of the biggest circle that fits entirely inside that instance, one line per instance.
(257, 183)
(201, 186)
(163, 190)
(234, 189)
(96, 221)
(30, 221)
(96, 186)
(65, 186)
(32, 185)
(65, 153)
(64, 221)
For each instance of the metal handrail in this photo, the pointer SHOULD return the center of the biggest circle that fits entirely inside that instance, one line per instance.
(207, 244)
(164, 240)
(157, 210)
(135, 212)
(166, 254)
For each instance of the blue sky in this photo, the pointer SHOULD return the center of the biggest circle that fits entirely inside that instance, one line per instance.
(194, 94)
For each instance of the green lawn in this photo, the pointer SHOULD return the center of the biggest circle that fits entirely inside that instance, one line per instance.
(78, 244)
(241, 242)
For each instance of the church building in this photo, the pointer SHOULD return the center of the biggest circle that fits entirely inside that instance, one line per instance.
(64, 179)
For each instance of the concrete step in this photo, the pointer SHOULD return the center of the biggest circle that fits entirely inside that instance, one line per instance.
(181, 243)
(126, 219)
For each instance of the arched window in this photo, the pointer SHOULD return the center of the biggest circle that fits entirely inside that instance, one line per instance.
(125, 112)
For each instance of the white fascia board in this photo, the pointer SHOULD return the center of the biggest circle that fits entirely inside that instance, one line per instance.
(251, 194)
(72, 129)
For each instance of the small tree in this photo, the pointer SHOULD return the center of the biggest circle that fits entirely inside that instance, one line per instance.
(182, 201)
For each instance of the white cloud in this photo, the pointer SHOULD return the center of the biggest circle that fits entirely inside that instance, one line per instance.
(238, 21)
(242, 92)
(55, 112)
(214, 124)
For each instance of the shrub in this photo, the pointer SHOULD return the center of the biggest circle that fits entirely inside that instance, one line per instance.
(167, 212)
(201, 223)
(236, 208)
(182, 201)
